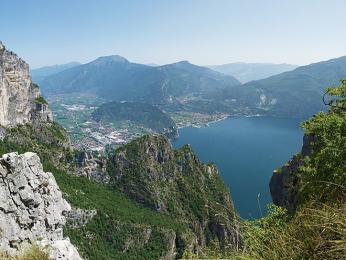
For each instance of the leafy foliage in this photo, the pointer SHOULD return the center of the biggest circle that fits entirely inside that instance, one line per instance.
(324, 172)
(49, 140)
(41, 100)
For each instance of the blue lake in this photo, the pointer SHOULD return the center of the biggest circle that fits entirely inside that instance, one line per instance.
(246, 151)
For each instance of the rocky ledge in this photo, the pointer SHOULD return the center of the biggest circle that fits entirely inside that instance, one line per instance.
(32, 209)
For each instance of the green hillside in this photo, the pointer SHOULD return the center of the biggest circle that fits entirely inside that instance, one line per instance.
(296, 93)
(125, 227)
(145, 115)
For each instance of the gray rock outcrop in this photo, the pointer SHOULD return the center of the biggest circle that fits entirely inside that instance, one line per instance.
(32, 209)
(285, 181)
(92, 167)
(19, 97)
(80, 217)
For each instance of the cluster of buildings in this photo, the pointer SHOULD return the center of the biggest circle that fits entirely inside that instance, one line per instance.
(97, 138)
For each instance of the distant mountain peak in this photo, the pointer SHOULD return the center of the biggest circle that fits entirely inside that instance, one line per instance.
(183, 62)
(112, 58)
(116, 78)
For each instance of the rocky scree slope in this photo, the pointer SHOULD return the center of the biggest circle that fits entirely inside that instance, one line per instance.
(20, 100)
(32, 209)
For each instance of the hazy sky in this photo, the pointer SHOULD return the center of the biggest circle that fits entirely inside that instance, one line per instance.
(46, 32)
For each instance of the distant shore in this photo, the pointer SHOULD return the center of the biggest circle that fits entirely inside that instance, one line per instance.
(204, 124)
(221, 118)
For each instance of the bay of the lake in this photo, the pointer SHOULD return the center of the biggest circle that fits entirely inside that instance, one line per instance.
(246, 150)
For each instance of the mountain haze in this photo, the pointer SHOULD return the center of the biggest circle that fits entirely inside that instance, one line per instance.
(185, 86)
(40, 73)
(246, 72)
(296, 93)
(115, 78)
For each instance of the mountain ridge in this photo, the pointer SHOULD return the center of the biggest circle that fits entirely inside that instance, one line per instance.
(116, 79)
(40, 73)
(246, 72)
(297, 93)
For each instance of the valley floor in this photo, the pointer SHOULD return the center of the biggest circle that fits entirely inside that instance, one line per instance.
(74, 112)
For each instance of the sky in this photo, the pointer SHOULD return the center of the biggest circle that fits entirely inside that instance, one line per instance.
(205, 32)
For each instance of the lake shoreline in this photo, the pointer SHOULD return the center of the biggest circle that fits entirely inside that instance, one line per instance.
(209, 123)
(245, 148)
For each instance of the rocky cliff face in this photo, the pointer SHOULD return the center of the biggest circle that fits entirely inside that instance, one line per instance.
(32, 209)
(175, 182)
(92, 167)
(19, 97)
(285, 181)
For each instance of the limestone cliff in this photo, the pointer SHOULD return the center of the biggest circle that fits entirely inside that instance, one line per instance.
(176, 183)
(20, 100)
(32, 209)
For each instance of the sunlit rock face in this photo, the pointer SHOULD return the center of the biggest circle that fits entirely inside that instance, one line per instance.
(32, 208)
(19, 102)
